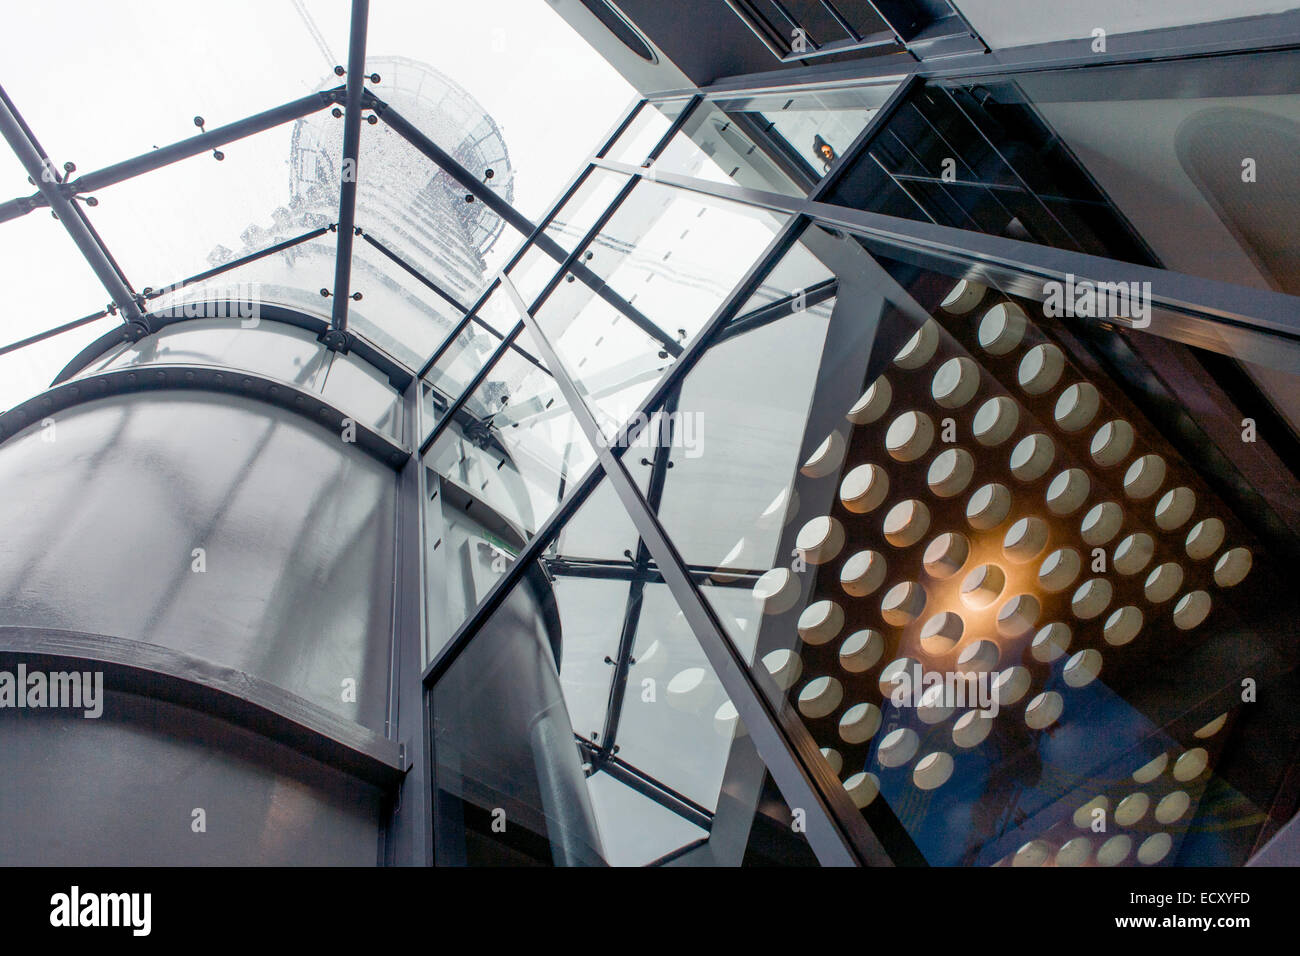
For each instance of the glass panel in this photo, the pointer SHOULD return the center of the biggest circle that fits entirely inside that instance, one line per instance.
(515, 445)
(419, 212)
(292, 277)
(532, 134)
(644, 132)
(31, 369)
(523, 733)
(810, 128)
(721, 148)
(271, 348)
(466, 356)
(186, 218)
(667, 257)
(113, 57)
(975, 506)
(571, 222)
(47, 284)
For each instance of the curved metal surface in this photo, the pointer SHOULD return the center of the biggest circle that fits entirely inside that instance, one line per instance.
(197, 379)
(160, 673)
(105, 506)
(153, 784)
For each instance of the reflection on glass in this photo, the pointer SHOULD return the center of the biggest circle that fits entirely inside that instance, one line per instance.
(645, 131)
(585, 709)
(960, 555)
(514, 445)
(651, 279)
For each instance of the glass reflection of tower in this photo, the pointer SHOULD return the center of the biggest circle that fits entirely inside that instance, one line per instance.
(406, 202)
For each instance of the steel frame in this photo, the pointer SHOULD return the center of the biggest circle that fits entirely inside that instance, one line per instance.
(835, 827)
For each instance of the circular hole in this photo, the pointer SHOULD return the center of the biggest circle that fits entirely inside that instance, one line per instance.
(1031, 458)
(827, 458)
(950, 472)
(1018, 615)
(859, 723)
(864, 489)
(776, 590)
(1112, 443)
(1172, 806)
(940, 634)
(932, 771)
(863, 573)
(862, 788)
(978, 657)
(1134, 553)
(1191, 765)
(1033, 853)
(1025, 539)
(1010, 685)
(945, 555)
(861, 650)
(820, 622)
(920, 347)
(1204, 539)
(971, 729)
(820, 697)
(965, 295)
(1002, 328)
(1044, 710)
(1174, 508)
(906, 523)
(995, 420)
(1077, 406)
(1068, 491)
(785, 666)
(1122, 626)
(1075, 852)
(873, 403)
(1155, 848)
(983, 586)
(1041, 369)
(1082, 668)
(1232, 567)
(1149, 771)
(1163, 583)
(1101, 523)
(1050, 643)
(903, 604)
(820, 539)
(1092, 597)
(988, 507)
(1144, 477)
(1059, 569)
(1191, 610)
(898, 747)
(909, 436)
(955, 383)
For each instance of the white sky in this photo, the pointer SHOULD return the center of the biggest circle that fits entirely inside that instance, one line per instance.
(128, 76)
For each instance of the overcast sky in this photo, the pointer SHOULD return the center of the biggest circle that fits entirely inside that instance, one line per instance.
(100, 81)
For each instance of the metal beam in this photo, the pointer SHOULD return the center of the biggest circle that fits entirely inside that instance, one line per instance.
(518, 221)
(42, 172)
(356, 83)
(192, 146)
(835, 828)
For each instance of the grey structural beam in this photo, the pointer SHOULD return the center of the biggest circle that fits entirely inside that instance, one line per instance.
(835, 828)
(336, 337)
(182, 149)
(42, 172)
(162, 673)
